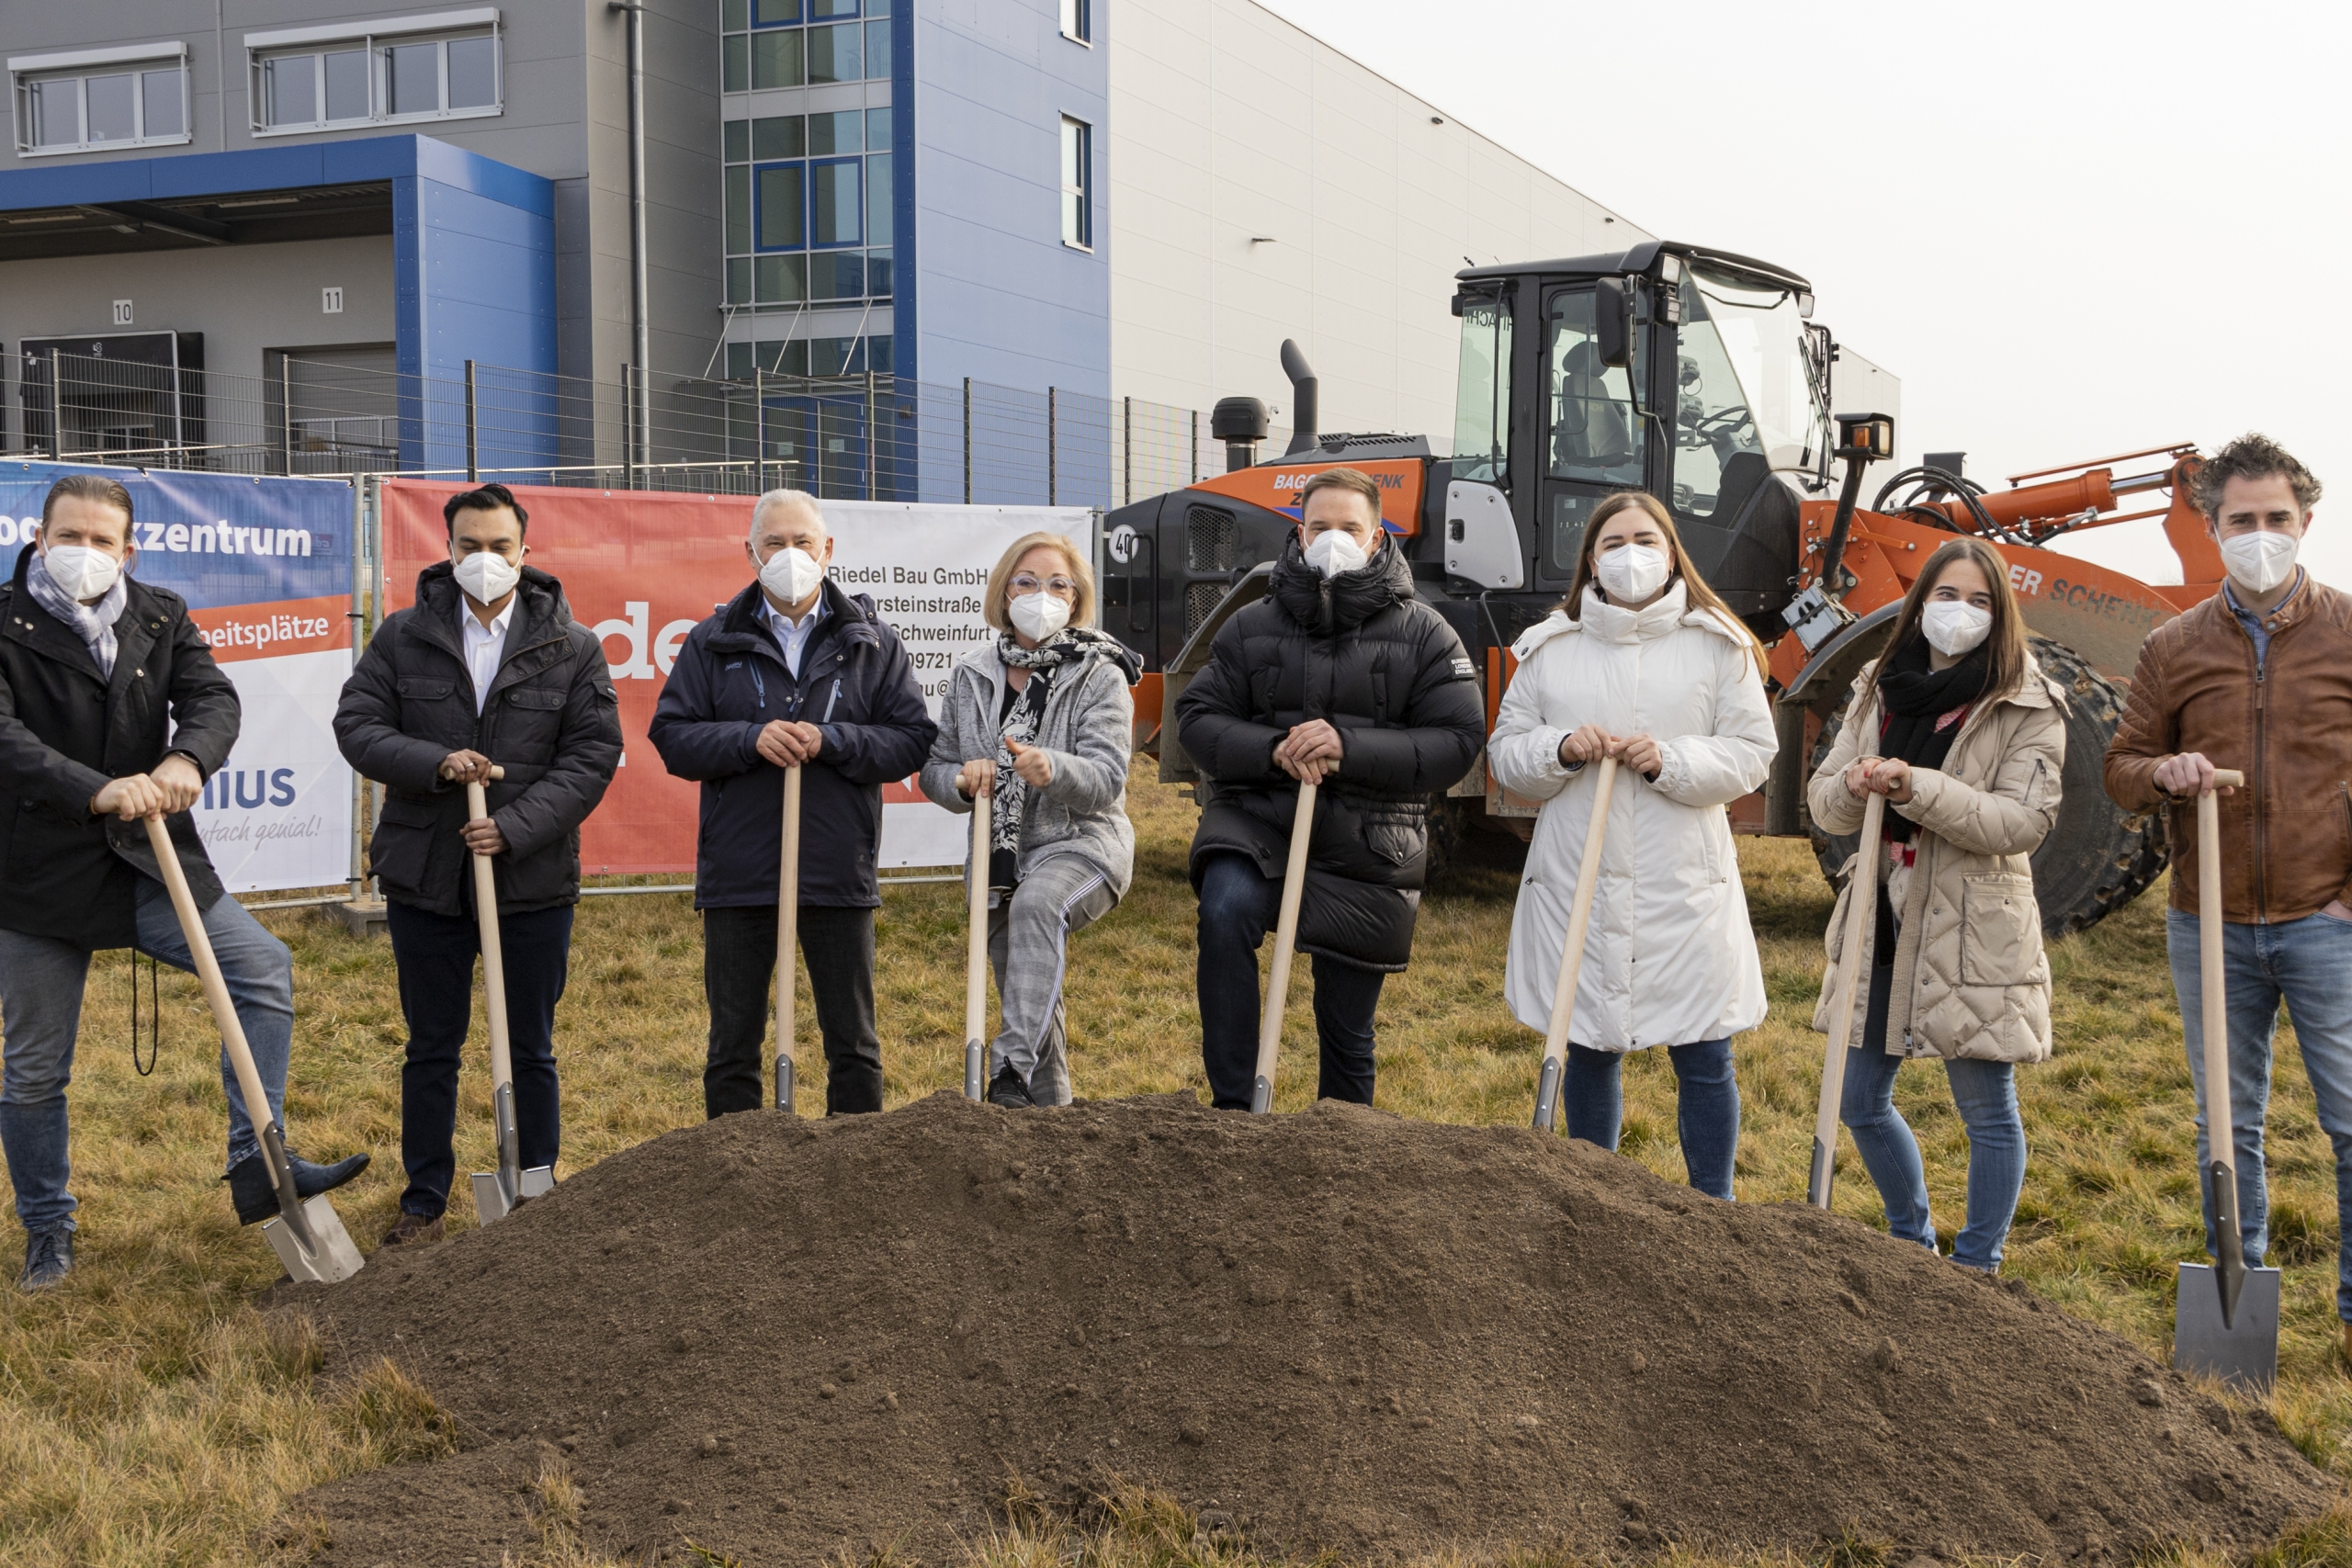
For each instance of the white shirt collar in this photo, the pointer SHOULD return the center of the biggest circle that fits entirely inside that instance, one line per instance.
(784, 624)
(496, 626)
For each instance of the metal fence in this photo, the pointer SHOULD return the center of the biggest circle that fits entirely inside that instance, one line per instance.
(852, 437)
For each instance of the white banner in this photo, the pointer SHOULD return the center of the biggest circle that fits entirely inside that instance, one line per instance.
(926, 568)
(278, 813)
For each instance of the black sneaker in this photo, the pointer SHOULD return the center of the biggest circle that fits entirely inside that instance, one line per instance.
(48, 1258)
(256, 1195)
(1009, 1089)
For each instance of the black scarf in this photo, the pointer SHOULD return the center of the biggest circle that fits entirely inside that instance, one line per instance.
(1921, 710)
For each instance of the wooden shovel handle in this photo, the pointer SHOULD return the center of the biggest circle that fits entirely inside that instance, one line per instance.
(1270, 1027)
(2220, 1145)
(1564, 987)
(493, 958)
(1861, 905)
(787, 936)
(208, 972)
(976, 950)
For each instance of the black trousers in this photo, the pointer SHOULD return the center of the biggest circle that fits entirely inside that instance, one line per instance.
(737, 976)
(435, 954)
(1239, 907)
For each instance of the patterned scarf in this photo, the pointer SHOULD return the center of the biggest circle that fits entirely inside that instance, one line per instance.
(1021, 722)
(94, 624)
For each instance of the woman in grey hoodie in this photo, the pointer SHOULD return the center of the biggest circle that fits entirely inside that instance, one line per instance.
(1039, 720)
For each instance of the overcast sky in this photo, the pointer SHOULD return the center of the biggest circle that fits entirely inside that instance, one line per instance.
(2071, 228)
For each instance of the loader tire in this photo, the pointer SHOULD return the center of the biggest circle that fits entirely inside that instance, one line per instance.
(2097, 858)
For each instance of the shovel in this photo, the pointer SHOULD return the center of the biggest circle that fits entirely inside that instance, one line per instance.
(1270, 1027)
(308, 1237)
(976, 957)
(2225, 1316)
(498, 1192)
(1564, 988)
(1861, 905)
(788, 938)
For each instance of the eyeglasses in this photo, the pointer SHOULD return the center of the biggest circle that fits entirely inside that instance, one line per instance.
(1060, 587)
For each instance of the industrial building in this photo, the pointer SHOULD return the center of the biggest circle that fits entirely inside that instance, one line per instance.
(306, 204)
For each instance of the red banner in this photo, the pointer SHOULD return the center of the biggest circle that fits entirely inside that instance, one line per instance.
(641, 569)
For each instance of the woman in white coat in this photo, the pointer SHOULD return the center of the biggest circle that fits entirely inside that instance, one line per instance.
(1641, 663)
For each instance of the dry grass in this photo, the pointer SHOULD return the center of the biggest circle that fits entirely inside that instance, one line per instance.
(148, 1416)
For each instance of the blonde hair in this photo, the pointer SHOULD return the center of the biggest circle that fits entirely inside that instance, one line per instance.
(1000, 589)
(1694, 587)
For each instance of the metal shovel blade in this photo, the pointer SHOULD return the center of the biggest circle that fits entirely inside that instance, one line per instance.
(330, 1256)
(492, 1200)
(2242, 1349)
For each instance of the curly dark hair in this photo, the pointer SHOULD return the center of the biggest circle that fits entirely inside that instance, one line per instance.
(2253, 457)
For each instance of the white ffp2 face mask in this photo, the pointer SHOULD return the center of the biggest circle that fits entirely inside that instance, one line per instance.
(1954, 628)
(791, 574)
(487, 578)
(2259, 561)
(1039, 615)
(1632, 572)
(1333, 551)
(82, 572)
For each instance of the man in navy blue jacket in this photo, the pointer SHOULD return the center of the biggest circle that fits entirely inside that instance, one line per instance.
(792, 673)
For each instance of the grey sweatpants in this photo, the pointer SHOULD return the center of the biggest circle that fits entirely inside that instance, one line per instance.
(1028, 946)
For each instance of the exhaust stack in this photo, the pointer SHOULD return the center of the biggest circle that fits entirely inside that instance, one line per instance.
(1303, 430)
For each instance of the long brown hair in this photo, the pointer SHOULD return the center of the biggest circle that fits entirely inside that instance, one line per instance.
(2004, 645)
(1694, 587)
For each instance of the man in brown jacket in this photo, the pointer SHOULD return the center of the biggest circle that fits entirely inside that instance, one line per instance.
(2258, 678)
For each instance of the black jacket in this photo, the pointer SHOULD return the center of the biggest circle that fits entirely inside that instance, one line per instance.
(552, 722)
(66, 732)
(1386, 672)
(857, 686)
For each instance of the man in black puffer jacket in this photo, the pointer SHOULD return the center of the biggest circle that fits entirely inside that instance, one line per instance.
(1340, 674)
(487, 667)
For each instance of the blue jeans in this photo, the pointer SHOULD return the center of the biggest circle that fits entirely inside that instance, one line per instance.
(2306, 964)
(1706, 1111)
(41, 1008)
(1986, 1097)
(1239, 907)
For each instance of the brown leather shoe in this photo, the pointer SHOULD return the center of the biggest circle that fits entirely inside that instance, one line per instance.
(2347, 1342)
(413, 1228)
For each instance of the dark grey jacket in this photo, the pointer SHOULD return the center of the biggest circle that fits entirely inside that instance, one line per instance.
(1385, 669)
(66, 732)
(552, 722)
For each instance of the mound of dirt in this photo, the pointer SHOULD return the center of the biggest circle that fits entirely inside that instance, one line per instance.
(777, 1336)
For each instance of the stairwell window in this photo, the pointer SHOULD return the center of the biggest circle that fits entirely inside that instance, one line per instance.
(444, 65)
(1078, 20)
(101, 99)
(1077, 184)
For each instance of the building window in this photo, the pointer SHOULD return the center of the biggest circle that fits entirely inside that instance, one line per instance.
(442, 66)
(99, 99)
(1078, 20)
(799, 43)
(1078, 183)
(806, 209)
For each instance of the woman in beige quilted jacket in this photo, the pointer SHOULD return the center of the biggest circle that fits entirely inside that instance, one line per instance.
(1957, 727)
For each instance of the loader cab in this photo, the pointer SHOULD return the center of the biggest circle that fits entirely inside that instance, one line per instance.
(1691, 374)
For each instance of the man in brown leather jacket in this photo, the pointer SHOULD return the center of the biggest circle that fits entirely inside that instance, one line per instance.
(2258, 678)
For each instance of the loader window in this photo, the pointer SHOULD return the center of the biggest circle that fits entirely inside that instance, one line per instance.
(1712, 422)
(1482, 395)
(1593, 434)
(1760, 336)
